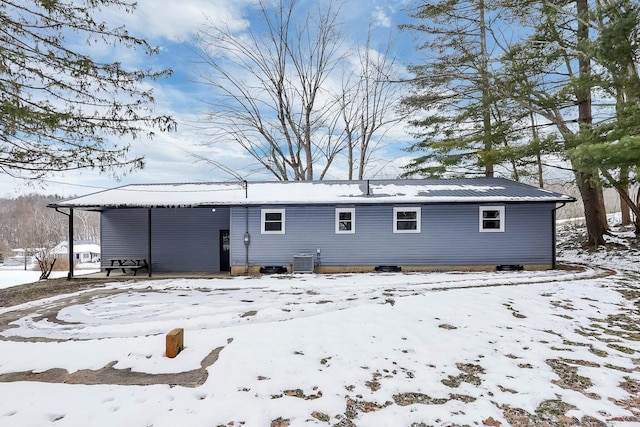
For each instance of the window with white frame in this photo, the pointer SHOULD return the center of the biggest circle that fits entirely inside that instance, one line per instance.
(406, 220)
(272, 221)
(345, 220)
(491, 219)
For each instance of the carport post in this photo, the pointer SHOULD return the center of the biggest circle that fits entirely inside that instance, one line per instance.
(149, 244)
(70, 245)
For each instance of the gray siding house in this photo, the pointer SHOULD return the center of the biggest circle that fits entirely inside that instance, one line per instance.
(327, 226)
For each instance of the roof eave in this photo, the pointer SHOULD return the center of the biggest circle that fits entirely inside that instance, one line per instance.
(363, 201)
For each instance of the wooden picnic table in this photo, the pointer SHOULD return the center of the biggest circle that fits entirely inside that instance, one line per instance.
(127, 263)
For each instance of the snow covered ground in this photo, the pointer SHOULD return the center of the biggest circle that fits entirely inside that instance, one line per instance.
(17, 275)
(432, 349)
(12, 276)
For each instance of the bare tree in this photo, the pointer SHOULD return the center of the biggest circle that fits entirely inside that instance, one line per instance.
(86, 226)
(42, 235)
(26, 223)
(368, 104)
(269, 87)
(277, 92)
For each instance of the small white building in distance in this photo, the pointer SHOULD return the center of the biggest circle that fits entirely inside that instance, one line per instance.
(84, 251)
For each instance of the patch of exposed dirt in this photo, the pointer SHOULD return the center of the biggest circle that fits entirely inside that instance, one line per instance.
(51, 313)
(21, 294)
(111, 375)
(548, 413)
(299, 394)
(468, 375)
(569, 377)
(406, 399)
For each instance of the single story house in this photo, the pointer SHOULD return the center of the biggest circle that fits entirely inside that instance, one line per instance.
(326, 226)
(84, 251)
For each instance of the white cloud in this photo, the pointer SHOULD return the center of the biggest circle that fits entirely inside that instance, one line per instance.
(380, 18)
(177, 20)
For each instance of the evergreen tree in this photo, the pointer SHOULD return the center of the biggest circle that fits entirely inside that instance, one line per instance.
(463, 127)
(59, 106)
(613, 145)
(549, 72)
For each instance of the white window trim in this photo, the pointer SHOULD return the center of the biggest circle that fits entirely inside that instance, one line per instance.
(415, 209)
(352, 211)
(500, 210)
(263, 215)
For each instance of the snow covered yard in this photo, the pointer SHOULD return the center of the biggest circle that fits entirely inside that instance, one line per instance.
(510, 348)
(17, 275)
(12, 276)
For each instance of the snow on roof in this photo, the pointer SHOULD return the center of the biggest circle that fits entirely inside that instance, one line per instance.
(469, 190)
(79, 246)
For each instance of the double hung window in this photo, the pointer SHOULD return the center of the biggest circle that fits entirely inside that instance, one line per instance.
(491, 219)
(406, 220)
(272, 221)
(345, 221)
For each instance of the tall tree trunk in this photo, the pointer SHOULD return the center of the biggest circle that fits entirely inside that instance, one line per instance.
(624, 206)
(363, 161)
(539, 163)
(593, 208)
(534, 131)
(350, 158)
(626, 83)
(623, 192)
(637, 221)
(486, 104)
(591, 192)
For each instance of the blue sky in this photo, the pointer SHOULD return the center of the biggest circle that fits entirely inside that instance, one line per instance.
(171, 25)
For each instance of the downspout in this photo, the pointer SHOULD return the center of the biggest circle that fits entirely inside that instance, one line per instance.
(553, 234)
(70, 244)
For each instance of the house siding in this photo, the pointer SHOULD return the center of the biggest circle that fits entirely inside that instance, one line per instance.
(182, 239)
(123, 233)
(449, 236)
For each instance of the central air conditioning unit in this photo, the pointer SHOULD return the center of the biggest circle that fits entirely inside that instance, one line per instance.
(302, 263)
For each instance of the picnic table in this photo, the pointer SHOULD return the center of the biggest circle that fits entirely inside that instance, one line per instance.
(128, 263)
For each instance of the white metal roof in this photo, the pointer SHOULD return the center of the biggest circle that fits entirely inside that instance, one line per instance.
(78, 247)
(469, 190)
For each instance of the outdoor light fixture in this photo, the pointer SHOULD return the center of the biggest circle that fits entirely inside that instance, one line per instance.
(246, 239)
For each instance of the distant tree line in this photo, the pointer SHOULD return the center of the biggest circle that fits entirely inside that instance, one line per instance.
(27, 223)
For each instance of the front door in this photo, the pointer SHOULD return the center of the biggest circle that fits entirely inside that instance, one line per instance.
(224, 251)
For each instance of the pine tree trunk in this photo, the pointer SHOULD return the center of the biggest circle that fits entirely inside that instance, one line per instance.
(594, 211)
(534, 131)
(624, 206)
(486, 106)
(623, 192)
(637, 221)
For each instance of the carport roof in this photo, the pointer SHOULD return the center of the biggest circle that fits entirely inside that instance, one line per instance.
(462, 190)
